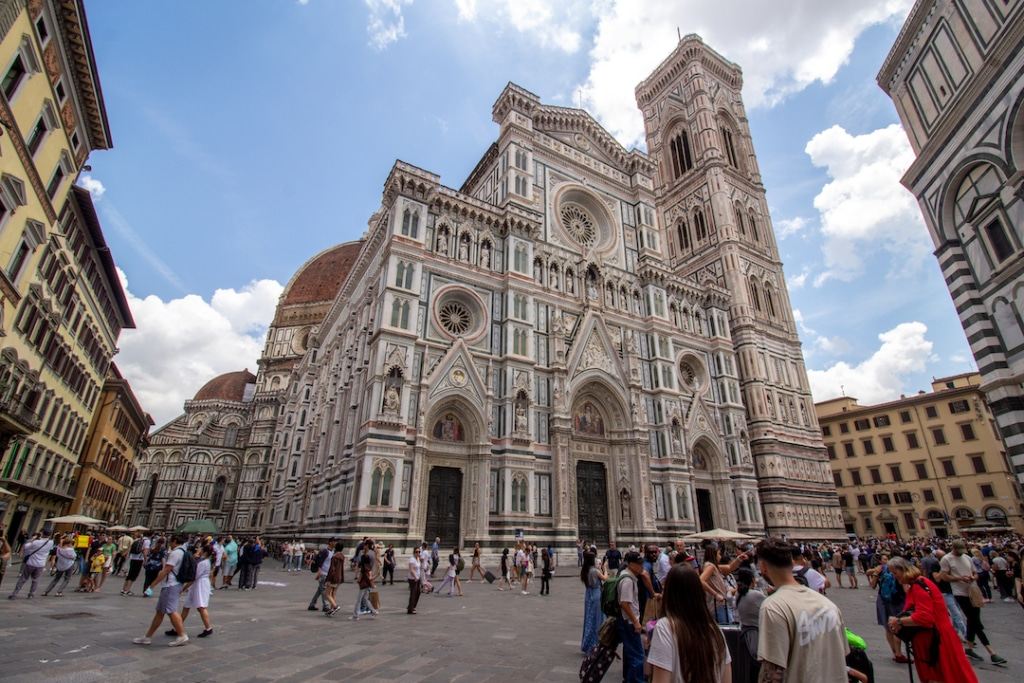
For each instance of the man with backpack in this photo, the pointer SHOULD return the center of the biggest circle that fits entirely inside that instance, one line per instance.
(320, 566)
(34, 554)
(178, 571)
(136, 557)
(626, 594)
(806, 575)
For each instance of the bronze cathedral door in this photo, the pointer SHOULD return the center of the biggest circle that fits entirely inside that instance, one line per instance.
(592, 502)
(444, 506)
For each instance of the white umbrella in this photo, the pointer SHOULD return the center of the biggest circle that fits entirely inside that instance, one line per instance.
(5, 492)
(118, 527)
(77, 519)
(139, 528)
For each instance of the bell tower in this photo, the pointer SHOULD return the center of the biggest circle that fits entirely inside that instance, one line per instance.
(714, 217)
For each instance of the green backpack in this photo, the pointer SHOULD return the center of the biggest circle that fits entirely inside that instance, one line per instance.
(460, 566)
(610, 595)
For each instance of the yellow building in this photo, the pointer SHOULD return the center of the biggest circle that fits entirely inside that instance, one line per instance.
(62, 305)
(929, 464)
(116, 436)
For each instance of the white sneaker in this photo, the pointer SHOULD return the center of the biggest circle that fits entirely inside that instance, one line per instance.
(179, 641)
(142, 641)
(526, 592)
(1007, 599)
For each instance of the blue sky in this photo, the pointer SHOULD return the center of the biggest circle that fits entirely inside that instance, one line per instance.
(250, 135)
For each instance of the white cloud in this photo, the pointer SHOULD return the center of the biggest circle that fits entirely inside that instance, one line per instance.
(787, 227)
(93, 185)
(385, 24)
(182, 343)
(781, 50)
(798, 281)
(551, 25)
(863, 207)
(879, 378)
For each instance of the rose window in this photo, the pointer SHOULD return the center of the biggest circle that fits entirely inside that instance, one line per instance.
(579, 224)
(455, 317)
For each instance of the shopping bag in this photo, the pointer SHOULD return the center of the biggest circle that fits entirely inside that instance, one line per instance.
(375, 600)
(652, 610)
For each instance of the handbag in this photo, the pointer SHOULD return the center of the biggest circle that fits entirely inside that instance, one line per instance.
(652, 610)
(974, 593)
(375, 599)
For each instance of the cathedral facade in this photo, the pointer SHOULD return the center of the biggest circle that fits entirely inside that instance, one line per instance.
(580, 342)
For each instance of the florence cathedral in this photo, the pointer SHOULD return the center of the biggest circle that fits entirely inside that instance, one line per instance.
(581, 341)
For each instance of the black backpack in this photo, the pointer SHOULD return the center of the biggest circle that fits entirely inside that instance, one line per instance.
(187, 571)
(314, 566)
(800, 575)
(136, 548)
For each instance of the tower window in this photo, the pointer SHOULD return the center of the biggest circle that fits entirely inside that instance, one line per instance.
(1002, 248)
(730, 149)
(679, 150)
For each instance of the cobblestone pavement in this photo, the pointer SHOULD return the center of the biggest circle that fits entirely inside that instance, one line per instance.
(268, 635)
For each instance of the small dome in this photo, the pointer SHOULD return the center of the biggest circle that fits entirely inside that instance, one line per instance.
(227, 387)
(320, 278)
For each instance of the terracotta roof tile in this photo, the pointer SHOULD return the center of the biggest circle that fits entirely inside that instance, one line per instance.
(227, 387)
(322, 276)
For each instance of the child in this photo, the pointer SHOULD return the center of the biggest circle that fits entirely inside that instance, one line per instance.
(96, 570)
(198, 592)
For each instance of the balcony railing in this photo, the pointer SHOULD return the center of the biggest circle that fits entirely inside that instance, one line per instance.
(23, 419)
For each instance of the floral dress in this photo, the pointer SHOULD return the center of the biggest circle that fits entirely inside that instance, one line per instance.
(592, 615)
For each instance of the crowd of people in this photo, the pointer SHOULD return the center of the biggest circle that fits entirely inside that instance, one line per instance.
(680, 612)
(762, 613)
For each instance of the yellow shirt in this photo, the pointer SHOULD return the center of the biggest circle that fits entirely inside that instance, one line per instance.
(98, 561)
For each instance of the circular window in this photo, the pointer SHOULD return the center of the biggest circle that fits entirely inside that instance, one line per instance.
(459, 313)
(578, 222)
(691, 374)
(455, 318)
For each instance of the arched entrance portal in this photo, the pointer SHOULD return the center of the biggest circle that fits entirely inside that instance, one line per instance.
(592, 502)
(444, 506)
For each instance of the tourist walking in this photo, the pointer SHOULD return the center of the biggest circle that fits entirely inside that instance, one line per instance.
(388, 566)
(981, 570)
(198, 595)
(230, 562)
(136, 558)
(936, 646)
(154, 563)
(33, 559)
(5, 557)
(687, 644)
(109, 550)
(958, 568)
(170, 594)
(837, 566)
(628, 619)
(322, 561)
(545, 572)
(801, 636)
(932, 571)
(475, 566)
(592, 579)
(889, 599)
(124, 544)
(365, 583)
(435, 556)
(451, 577)
(64, 564)
(414, 577)
(504, 580)
(525, 565)
(335, 577)
(425, 585)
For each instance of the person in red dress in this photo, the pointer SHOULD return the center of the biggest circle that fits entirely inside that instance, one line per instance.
(929, 613)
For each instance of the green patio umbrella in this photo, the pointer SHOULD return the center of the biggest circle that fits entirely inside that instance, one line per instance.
(198, 526)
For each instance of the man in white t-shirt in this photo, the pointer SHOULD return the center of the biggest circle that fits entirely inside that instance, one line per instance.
(801, 636)
(958, 568)
(170, 594)
(415, 574)
(815, 581)
(34, 554)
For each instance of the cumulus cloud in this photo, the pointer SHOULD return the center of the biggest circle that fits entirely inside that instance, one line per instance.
(93, 185)
(781, 51)
(551, 25)
(904, 350)
(787, 227)
(863, 208)
(798, 281)
(385, 24)
(182, 343)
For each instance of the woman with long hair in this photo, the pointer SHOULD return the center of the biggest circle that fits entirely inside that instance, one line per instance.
(475, 566)
(712, 577)
(748, 609)
(592, 578)
(938, 656)
(687, 645)
(197, 596)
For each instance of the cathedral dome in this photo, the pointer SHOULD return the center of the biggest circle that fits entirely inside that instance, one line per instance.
(227, 387)
(320, 278)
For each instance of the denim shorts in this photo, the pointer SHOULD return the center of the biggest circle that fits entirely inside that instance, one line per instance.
(167, 603)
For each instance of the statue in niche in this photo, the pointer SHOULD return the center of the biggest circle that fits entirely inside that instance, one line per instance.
(520, 422)
(624, 506)
(553, 278)
(591, 290)
(464, 250)
(485, 255)
(392, 400)
(570, 285)
(608, 297)
(630, 342)
(770, 404)
(442, 242)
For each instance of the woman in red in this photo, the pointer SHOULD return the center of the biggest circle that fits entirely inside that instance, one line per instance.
(929, 613)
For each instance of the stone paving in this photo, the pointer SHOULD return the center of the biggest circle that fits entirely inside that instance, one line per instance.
(268, 635)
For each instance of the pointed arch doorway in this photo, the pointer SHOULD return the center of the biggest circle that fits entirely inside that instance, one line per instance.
(444, 506)
(592, 502)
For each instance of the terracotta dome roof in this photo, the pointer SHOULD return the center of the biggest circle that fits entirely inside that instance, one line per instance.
(227, 387)
(320, 278)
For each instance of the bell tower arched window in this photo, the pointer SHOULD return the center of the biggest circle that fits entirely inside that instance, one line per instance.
(755, 295)
(679, 152)
(730, 147)
(753, 227)
(740, 225)
(684, 235)
(702, 227)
